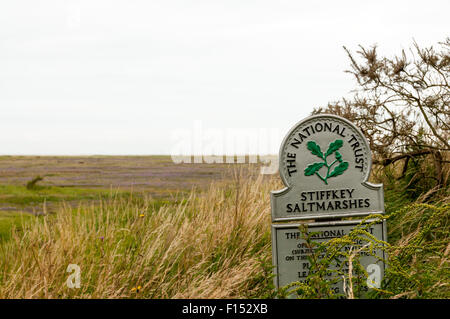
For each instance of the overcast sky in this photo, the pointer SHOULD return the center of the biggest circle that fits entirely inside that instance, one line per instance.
(119, 77)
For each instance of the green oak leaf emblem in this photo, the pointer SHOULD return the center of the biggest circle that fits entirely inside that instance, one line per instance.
(313, 169)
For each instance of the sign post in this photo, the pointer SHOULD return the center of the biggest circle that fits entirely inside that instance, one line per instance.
(325, 163)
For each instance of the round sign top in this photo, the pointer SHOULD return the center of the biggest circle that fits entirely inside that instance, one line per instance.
(324, 151)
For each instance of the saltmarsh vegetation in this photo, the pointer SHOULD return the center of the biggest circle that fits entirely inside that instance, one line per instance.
(213, 244)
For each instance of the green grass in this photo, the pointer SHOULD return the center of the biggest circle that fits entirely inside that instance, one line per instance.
(21, 196)
(23, 199)
(8, 220)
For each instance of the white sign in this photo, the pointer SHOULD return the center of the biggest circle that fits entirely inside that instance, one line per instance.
(325, 163)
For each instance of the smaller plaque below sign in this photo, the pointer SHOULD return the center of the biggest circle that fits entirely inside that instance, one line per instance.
(290, 253)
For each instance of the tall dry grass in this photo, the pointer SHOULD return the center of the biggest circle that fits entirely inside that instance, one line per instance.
(211, 245)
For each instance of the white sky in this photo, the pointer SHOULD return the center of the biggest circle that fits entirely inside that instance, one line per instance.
(118, 77)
